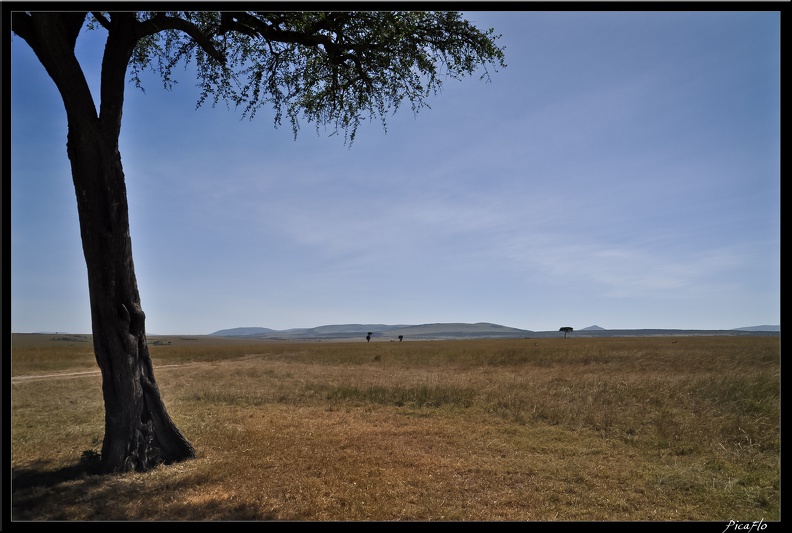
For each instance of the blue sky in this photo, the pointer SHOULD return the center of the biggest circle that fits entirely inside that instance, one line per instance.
(623, 170)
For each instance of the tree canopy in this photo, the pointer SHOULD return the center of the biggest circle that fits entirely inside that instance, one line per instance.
(329, 68)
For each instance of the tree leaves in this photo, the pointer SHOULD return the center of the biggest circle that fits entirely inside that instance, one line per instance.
(329, 68)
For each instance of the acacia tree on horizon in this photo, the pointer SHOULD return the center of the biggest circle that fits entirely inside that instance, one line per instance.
(329, 68)
(566, 329)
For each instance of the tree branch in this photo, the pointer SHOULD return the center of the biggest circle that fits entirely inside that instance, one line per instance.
(22, 25)
(101, 19)
(69, 24)
(161, 22)
(254, 27)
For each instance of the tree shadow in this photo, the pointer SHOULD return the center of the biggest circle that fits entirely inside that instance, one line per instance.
(42, 492)
(39, 475)
(37, 489)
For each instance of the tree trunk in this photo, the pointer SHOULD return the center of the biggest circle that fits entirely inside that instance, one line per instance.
(139, 434)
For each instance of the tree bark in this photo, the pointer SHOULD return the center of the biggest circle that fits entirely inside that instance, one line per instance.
(139, 433)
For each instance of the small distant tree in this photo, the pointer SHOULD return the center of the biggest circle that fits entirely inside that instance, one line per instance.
(566, 329)
(368, 337)
(401, 337)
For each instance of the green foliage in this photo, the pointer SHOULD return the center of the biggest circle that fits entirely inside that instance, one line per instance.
(324, 67)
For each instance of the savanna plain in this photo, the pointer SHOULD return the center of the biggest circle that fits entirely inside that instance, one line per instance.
(576, 429)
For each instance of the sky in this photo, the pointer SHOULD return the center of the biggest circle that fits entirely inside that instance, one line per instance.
(623, 171)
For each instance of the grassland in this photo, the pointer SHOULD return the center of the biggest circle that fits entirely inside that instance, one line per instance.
(621, 429)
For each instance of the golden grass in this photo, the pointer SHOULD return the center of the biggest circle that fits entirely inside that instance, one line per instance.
(530, 429)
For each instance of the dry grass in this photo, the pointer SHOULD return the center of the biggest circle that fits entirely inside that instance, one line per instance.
(533, 429)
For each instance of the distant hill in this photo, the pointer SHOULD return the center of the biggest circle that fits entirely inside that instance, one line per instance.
(242, 332)
(381, 331)
(666, 333)
(459, 330)
(347, 328)
(760, 328)
(480, 330)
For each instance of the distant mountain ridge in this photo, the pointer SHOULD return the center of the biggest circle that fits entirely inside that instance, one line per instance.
(479, 330)
(760, 328)
(380, 331)
(242, 332)
(317, 331)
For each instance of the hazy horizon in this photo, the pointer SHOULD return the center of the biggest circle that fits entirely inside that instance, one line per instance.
(56, 332)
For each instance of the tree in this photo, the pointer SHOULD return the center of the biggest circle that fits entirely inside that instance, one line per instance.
(328, 68)
(566, 329)
(368, 337)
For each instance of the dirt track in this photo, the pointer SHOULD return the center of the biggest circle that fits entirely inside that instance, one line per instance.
(33, 377)
(20, 379)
